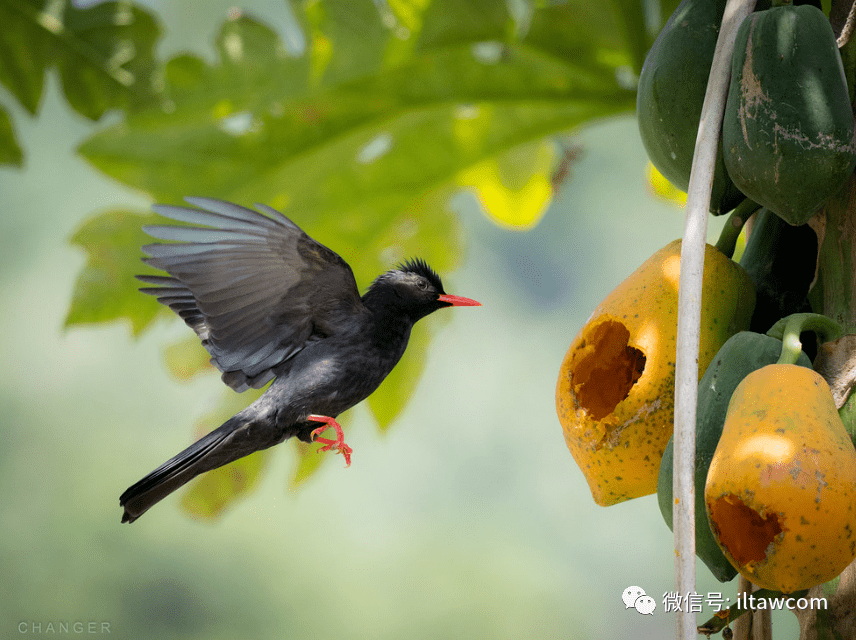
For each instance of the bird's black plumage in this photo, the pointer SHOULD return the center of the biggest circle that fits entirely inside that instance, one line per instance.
(269, 302)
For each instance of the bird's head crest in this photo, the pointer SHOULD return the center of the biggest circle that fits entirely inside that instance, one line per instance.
(420, 267)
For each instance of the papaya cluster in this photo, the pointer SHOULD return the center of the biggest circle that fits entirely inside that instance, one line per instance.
(775, 469)
(788, 138)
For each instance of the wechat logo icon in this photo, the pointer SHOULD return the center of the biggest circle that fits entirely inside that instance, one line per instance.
(637, 598)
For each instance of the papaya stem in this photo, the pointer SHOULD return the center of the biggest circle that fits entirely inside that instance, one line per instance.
(689, 306)
(734, 225)
(791, 345)
(788, 330)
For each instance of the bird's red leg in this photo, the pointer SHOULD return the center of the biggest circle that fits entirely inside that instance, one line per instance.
(338, 445)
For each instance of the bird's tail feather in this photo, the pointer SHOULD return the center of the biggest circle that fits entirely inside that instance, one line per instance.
(203, 455)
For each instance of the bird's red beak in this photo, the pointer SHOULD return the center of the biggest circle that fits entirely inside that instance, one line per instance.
(458, 301)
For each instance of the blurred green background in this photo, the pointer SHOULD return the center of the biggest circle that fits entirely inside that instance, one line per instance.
(469, 519)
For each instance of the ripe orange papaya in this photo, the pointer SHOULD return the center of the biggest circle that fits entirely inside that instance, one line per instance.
(781, 487)
(615, 392)
(742, 354)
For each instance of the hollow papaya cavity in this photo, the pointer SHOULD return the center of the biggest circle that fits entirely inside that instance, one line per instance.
(742, 530)
(604, 368)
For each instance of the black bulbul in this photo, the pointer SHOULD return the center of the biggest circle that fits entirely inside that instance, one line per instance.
(271, 303)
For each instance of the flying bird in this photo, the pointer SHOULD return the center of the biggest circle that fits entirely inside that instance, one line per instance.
(270, 303)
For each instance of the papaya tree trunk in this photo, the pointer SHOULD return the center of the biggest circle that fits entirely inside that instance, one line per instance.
(839, 620)
(755, 625)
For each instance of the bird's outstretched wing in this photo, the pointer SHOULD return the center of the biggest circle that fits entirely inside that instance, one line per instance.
(255, 288)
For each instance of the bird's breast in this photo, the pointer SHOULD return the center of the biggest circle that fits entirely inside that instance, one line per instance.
(328, 378)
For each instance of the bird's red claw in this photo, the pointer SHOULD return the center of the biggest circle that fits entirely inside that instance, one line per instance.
(338, 445)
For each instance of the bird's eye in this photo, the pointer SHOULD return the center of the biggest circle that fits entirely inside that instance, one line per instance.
(422, 283)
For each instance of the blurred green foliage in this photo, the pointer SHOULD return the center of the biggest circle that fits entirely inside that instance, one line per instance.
(360, 127)
(105, 288)
(104, 54)
(10, 152)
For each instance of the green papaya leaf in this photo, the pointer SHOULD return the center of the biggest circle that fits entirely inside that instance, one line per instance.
(350, 162)
(10, 152)
(338, 26)
(104, 53)
(25, 50)
(587, 39)
(106, 289)
(362, 130)
(446, 24)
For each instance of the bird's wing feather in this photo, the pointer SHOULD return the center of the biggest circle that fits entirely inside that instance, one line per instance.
(254, 287)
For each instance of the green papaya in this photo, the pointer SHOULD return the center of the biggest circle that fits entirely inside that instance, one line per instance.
(741, 354)
(788, 136)
(780, 259)
(670, 94)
